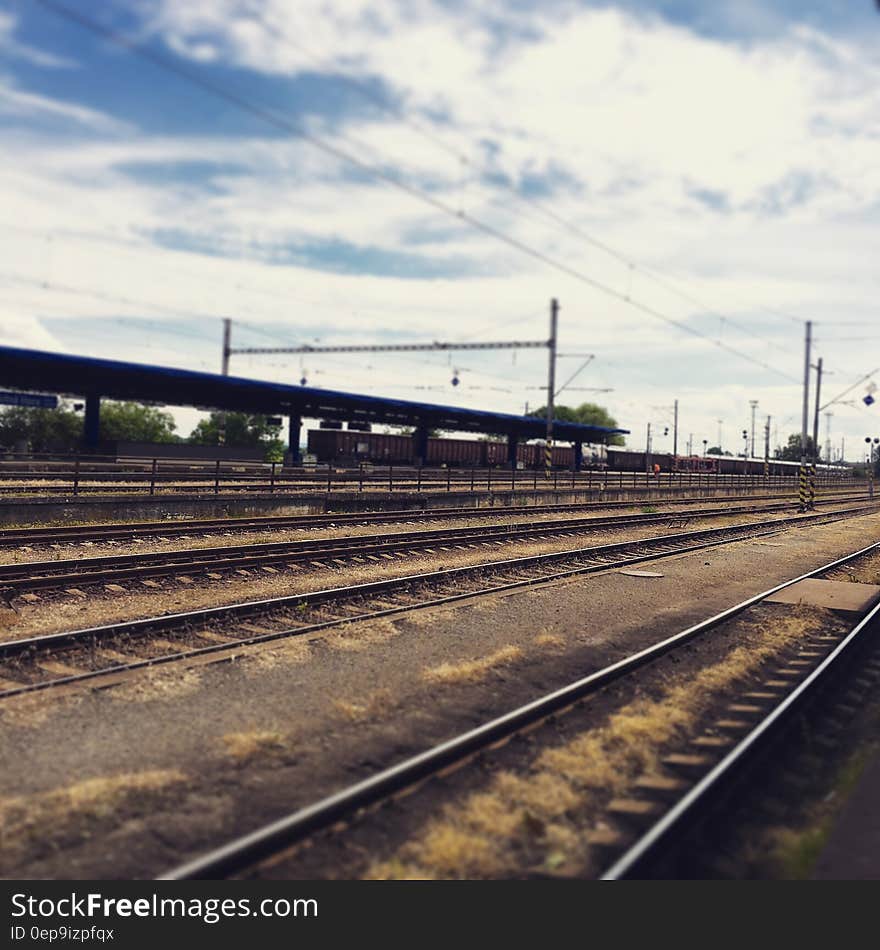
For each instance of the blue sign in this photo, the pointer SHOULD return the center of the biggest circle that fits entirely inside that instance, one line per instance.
(28, 399)
(868, 400)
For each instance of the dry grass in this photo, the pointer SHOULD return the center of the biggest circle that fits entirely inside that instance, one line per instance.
(32, 709)
(77, 811)
(249, 745)
(378, 704)
(361, 635)
(268, 656)
(471, 671)
(546, 639)
(543, 809)
(157, 683)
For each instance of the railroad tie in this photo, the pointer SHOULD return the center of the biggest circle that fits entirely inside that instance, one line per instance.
(662, 786)
(57, 668)
(635, 810)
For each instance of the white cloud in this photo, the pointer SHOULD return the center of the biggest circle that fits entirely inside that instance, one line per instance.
(36, 57)
(637, 124)
(27, 105)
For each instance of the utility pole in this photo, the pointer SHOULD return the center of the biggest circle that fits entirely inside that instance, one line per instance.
(828, 416)
(815, 435)
(754, 404)
(690, 445)
(551, 384)
(227, 333)
(767, 447)
(719, 436)
(224, 369)
(802, 479)
(816, 413)
(648, 449)
(675, 428)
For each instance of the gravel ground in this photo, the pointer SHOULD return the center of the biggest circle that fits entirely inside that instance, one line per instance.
(222, 748)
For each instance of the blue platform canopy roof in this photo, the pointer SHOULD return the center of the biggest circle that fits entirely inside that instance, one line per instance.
(113, 379)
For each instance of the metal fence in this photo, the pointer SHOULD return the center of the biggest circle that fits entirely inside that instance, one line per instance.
(89, 475)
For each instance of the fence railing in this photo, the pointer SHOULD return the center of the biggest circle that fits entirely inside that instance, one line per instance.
(84, 475)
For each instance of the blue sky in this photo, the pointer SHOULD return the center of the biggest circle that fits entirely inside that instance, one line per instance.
(717, 164)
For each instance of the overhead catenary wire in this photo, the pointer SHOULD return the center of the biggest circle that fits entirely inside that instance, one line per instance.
(534, 203)
(269, 116)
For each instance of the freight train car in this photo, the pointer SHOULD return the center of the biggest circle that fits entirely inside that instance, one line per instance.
(345, 448)
(350, 448)
(342, 447)
(624, 460)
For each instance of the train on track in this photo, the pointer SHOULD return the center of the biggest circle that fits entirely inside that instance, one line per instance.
(346, 448)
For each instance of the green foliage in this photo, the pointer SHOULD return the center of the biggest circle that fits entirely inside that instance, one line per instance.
(792, 451)
(132, 422)
(240, 429)
(715, 450)
(587, 413)
(40, 430)
(61, 429)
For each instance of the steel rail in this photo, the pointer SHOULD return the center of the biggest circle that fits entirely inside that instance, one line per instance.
(48, 535)
(712, 784)
(251, 848)
(662, 545)
(34, 575)
(70, 570)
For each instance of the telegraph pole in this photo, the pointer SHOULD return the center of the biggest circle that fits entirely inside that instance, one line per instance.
(224, 369)
(551, 384)
(815, 434)
(816, 413)
(754, 404)
(767, 447)
(802, 478)
(648, 449)
(227, 333)
(675, 428)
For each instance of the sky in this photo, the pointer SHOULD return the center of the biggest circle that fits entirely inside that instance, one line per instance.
(691, 181)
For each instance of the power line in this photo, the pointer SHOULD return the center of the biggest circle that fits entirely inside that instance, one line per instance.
(279, 122)
(548, 213)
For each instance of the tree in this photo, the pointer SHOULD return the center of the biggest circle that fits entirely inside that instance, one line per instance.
(40, 430)
(240, 429)
(132, 422)
(792, 451)
(61, 429)
(716, 450)
(587, 413)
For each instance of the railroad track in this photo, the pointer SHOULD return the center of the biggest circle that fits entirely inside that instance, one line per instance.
(245, 853)
(17, 537)
(51, 660)
(775, 713)
(76, 573)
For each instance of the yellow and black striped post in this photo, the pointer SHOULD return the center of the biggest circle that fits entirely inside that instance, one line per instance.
(812, 504)
(548, 458)
(802, 487)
